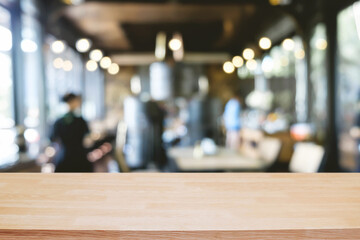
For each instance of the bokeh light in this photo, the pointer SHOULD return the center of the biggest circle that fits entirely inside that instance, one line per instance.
(113, 69)
(238, 61)
(58, 46)
(105, 62)
(228, 67)
(96, 55)
(248, 54)
(265, 43)
(83, 45)
(91, 65)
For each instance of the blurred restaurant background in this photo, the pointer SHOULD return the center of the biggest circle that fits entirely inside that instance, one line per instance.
(155, 77)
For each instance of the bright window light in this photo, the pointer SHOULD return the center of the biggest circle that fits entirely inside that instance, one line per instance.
(5, 39)
(28, 46)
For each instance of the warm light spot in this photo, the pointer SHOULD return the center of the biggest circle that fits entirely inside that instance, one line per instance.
(96, 55)
(321, 44)
(91, 65)
(265, 43)
(58, 63)
(228, 67)
(300, 54)
(105, 62)
(58, 46)
(68, 66)
(83, 45)
(238, 61)
(248, 54)
(114, 69)
(175, 44)
(288, 44)
(251, 65)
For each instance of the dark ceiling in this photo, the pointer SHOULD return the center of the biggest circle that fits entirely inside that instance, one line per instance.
(206, 26)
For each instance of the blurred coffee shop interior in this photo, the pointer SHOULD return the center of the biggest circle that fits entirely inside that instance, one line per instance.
(160, 79)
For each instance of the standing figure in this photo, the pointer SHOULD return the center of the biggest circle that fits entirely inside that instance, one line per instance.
(69, 131)
(232, 122)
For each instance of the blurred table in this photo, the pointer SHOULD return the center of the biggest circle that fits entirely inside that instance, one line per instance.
(224, 160)
(179, 206)
(21, 162)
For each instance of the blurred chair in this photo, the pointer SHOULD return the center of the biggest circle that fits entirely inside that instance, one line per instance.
(120, 143)
(269, 149)
(307, 158)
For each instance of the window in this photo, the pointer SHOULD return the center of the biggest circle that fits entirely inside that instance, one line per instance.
(318, 80)
(6, 83)
(64, 73)
(8, 148)
(349, 83)
(32, 76)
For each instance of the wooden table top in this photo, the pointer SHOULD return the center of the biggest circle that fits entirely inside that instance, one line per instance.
(180, 206)
(224, 160)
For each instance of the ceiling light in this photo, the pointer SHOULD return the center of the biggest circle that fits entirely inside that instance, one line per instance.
(238, 61)
(175, 44)
(58, 63)
(58, 46)
(96, 55)
(113, 69)
(248, 54)
(105, 62)
(68, 66)
(251, 65)
(228, 67)
(83, 45)
(91, 65)
(265, 43)
(288, 44)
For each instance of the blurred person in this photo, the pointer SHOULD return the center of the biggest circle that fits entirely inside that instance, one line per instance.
(232, 122)
(69, 131)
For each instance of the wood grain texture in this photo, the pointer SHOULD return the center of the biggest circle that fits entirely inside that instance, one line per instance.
(180, 206)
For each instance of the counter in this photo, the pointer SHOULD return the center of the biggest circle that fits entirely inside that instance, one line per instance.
(179, 206)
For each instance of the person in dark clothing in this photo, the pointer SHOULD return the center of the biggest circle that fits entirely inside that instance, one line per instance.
(69, 131)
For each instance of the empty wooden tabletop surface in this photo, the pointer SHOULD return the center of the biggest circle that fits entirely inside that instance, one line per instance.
(180, 206)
